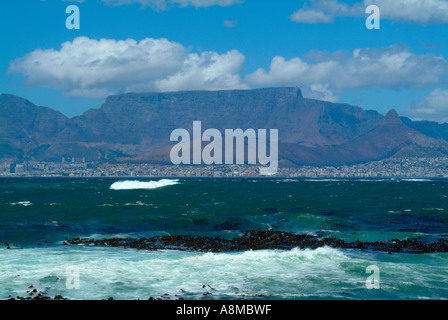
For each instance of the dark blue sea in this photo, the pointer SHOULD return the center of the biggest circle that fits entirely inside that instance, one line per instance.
(38, 214)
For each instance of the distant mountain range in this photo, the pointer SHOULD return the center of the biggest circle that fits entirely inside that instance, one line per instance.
(137, 127)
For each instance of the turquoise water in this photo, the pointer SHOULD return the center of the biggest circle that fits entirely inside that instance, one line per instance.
(49, 211)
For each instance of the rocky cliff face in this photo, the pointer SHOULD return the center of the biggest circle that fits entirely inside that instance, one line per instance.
(138, 126)
(390, 138)
(148, 119)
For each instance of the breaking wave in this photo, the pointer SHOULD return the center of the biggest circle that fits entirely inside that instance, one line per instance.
(133, 185)
(23, 203)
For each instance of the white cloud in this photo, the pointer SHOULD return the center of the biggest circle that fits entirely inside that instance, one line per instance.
(230, 23)
(97, 68)
(433, 107)
(206, 71)
(311, 16)
(323, 73)
(163, 4)
(424, 12)
(324, 11)
(320, 92)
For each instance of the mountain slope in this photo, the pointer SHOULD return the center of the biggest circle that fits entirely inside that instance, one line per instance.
(391, 138)
(148, 119)
(25, 126)
(137, 127)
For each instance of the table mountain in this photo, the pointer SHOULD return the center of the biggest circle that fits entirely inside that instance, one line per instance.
(137, 127)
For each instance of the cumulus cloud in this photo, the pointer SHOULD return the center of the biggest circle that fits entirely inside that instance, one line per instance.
(311, 16)
(320, 92)
(424, 12)
(324, 11)
(206, 71)
(433, 107)
(163, 4)
(392, 67)
(96, 68)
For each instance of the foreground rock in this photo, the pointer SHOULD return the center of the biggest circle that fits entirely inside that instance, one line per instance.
(34, 294)
(259, 240)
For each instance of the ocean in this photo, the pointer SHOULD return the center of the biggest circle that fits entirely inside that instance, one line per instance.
(38, 214)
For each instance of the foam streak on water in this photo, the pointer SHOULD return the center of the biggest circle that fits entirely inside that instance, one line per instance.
(135, 185)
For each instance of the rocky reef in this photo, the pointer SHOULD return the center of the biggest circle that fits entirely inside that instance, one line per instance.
(260, 240)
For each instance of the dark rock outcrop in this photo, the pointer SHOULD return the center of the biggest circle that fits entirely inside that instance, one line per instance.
(261, 240)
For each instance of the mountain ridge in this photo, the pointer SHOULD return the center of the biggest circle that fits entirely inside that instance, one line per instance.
(137, 126)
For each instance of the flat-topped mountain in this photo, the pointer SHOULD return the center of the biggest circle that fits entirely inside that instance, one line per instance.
(138, 126)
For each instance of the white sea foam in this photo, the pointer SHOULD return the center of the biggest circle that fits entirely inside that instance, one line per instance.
(324, 180)
(133, 185)
(131, 274)
(23, 203)
(433, 209)
(138, 203)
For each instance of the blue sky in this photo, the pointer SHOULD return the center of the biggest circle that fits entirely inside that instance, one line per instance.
(322, 46)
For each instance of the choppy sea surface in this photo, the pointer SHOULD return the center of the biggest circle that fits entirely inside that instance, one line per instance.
(38, 214)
